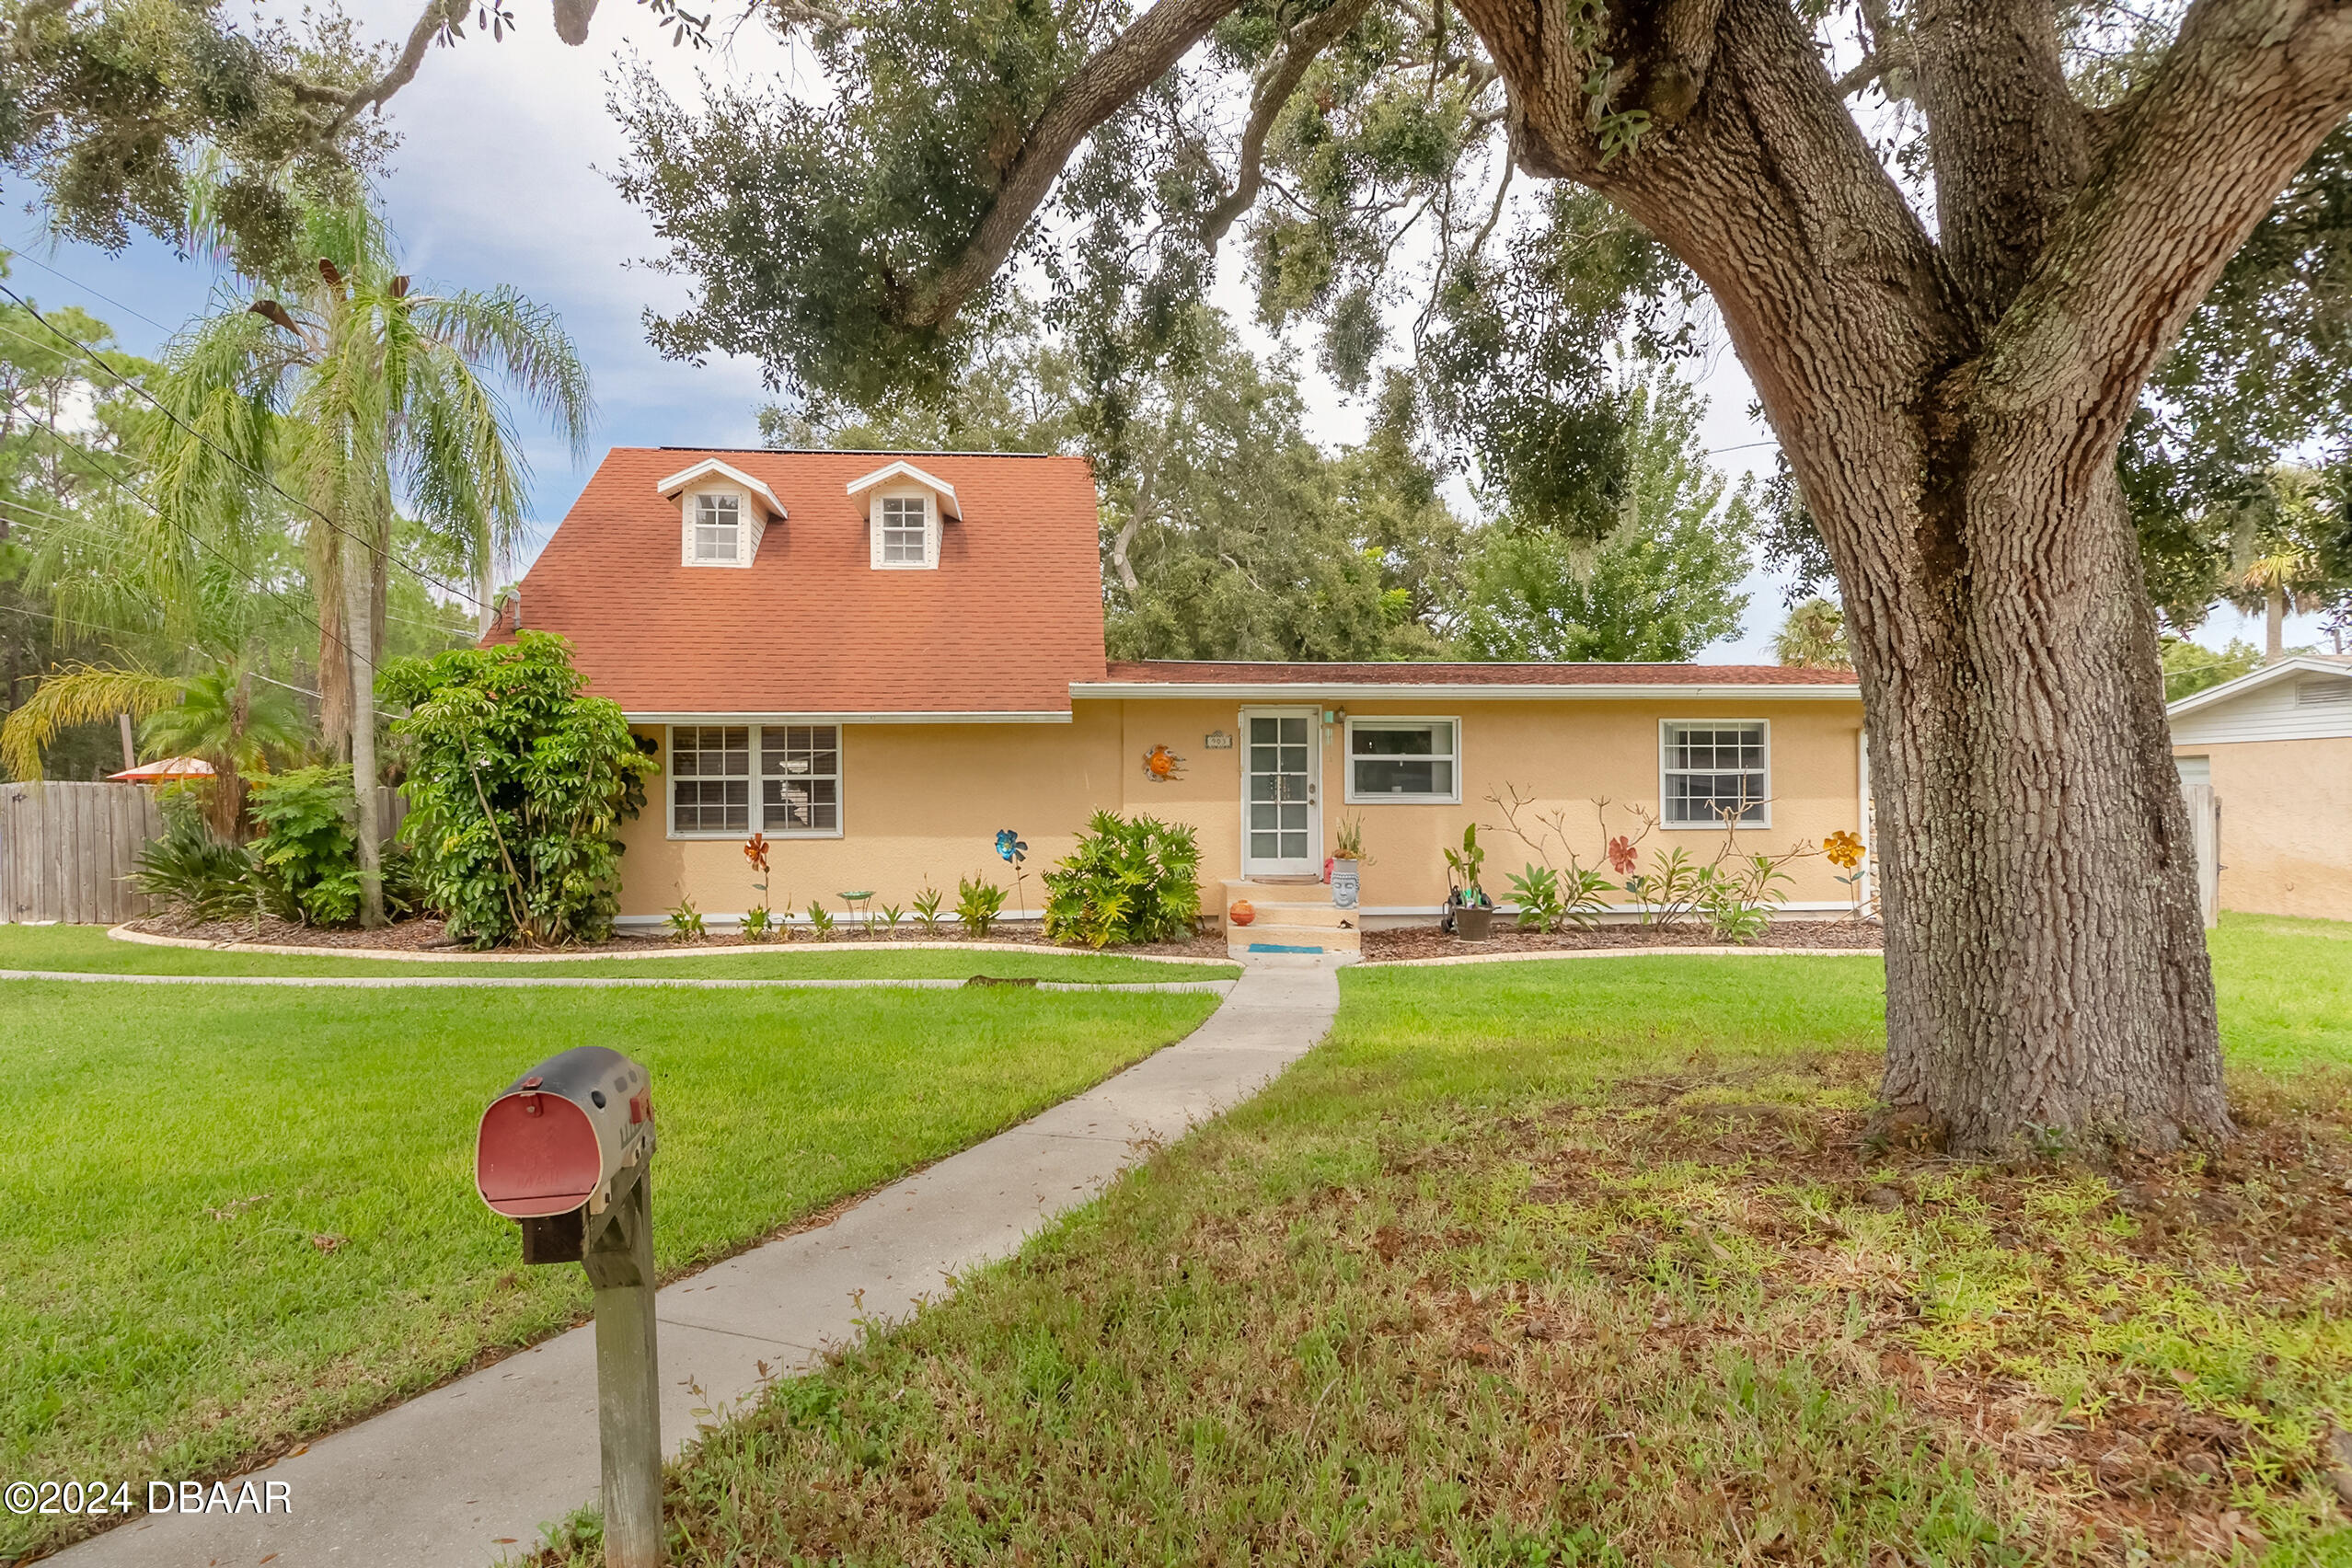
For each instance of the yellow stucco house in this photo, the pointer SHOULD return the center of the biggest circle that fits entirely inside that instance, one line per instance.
(2275, 748)
(879, 660)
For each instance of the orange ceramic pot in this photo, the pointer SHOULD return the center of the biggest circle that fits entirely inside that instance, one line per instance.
(1240, 912)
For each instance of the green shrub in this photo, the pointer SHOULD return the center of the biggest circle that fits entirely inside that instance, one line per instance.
(758, 924)
(927, 910)
(977, 904)
(820, 920)
(685, 921)
(517, 788)
(196, 875)
(1549, 899)
(306, 853)
(1127, 882)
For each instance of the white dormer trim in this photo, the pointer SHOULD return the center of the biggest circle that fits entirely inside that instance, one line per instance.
(713, 468)
(943, 492)
(754, 504)
(879, 505)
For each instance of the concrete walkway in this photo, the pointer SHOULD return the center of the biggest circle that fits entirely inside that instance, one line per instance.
(465, 1475)
(685, 982)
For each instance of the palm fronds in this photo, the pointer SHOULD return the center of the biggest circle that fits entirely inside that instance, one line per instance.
(78, 694)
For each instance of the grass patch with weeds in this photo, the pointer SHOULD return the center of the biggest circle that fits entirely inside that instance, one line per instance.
(1579, 1264)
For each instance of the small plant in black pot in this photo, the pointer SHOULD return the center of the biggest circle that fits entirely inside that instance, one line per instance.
(1469, 914)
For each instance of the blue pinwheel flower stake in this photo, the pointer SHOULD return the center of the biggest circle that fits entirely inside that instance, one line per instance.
(1013, 851)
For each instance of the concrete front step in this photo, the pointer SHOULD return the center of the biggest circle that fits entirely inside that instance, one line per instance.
(1276, 936)
(1323, 915)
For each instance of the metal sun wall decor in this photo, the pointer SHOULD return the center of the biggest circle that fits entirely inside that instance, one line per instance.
(1160, 764)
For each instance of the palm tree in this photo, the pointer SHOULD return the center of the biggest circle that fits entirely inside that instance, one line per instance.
(357, 390)
(217, 715)
(1814, 638)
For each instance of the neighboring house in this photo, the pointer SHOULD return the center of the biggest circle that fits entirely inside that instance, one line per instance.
(2276, 746)
(879, 660)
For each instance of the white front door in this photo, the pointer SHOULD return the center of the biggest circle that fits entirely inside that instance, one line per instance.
(1282, 811)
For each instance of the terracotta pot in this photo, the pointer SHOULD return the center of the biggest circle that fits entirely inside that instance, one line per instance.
(1240, 912)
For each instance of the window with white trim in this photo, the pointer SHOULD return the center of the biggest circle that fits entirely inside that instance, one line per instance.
(726, 780)
(799, 780)
(906, 525)
(1403, 759)
(709, 780)
(1712, 766)
(718, 529)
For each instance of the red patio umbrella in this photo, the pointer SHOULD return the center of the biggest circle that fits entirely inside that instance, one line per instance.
(166, 768)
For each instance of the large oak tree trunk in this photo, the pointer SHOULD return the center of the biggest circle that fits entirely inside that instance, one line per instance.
(2045, 965)
(1952, 405)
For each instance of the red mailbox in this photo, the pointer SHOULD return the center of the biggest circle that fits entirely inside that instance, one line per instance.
(560, 1142)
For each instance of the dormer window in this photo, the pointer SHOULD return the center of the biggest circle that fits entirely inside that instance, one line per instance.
(904, 508)
(718, 529)
(906, 530)
(722, 512)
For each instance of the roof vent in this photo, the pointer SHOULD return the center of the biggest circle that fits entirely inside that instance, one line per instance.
(2323, 693)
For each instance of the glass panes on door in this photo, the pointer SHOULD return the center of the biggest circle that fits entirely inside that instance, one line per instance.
(800, 779)
(1279, 787)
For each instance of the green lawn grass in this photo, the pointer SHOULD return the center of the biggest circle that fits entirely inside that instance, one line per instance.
(1594, 1263)
(88, 949)
(236, 1217)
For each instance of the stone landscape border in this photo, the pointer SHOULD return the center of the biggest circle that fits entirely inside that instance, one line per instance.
(123, 933)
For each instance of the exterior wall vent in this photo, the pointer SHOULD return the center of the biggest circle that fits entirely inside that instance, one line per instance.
(2323, 693)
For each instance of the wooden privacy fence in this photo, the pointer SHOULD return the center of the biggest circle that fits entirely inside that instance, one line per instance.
(68, 851)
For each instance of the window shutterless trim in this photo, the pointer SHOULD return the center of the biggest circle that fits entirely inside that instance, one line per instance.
(755, 792)
(1665, 732)
(1395, 721)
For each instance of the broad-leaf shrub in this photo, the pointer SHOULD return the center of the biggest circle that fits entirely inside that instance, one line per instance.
(1127, 882)
(517, 788)
(306, 853)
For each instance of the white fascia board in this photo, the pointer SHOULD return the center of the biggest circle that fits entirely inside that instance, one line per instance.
(1302, 691)
(728, 471)
(1010, 717)
(2254, 680)
(902, 469)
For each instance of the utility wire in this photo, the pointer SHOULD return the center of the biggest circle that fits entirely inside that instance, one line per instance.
(197, 540)
(64, 278)
(95, 358)
(72, 524)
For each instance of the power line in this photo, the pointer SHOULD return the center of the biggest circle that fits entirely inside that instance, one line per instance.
(92, 355)
(86, 289)
(197, 539)
(74, 523)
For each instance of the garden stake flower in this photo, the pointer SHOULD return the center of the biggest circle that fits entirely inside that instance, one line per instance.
(756, 851)
(1621, 859)
(1846, 852)
(1011, 848)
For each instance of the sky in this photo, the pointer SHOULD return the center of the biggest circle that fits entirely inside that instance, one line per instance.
(502, 177)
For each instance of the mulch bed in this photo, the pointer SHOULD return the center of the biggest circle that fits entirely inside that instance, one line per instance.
(422, 935)
(1428, 941)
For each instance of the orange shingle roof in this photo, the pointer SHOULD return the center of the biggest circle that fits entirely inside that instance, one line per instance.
(1244, 673)
(1010, 618)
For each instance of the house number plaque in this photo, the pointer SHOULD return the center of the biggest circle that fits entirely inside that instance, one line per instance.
(1216, 740)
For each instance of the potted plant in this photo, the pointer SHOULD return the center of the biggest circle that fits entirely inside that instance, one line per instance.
(1469, 914)
(1346, 864)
